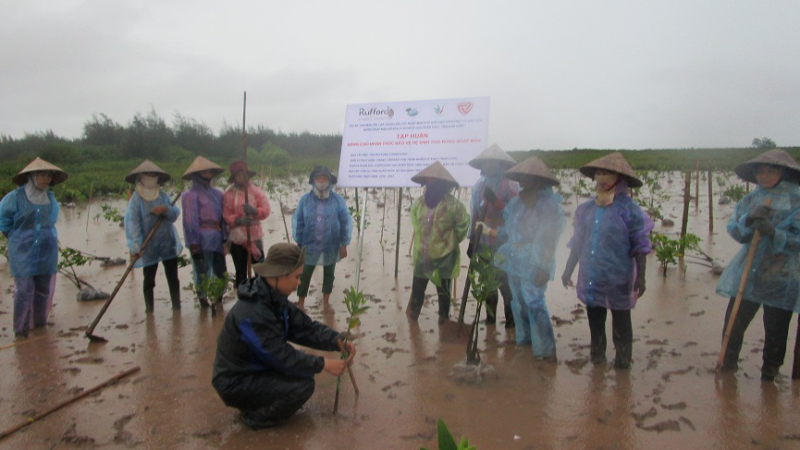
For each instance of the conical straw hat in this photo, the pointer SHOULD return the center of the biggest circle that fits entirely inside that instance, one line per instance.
(148, 167)
(200, 164)
(493, 153)
(435, 171)
(532, 167)
(38, 165)
(613, 162)
(775, 157)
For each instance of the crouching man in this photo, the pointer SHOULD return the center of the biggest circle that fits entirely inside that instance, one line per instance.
(256, 369)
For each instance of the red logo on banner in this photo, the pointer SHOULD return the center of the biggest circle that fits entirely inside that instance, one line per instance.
(465, 107)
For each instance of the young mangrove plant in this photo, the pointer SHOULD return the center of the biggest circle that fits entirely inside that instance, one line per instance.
(668, 250)
(484, 280)
(356, 305)
(112, 214)
(447, 441)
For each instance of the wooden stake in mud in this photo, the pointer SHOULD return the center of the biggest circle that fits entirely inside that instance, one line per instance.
(246, 186)
(397, 244)
(358, 222)
(739, 294)
(710, 204)
(475, 239)
(39, 416)
(134, 258)
(697, 186)
(687, 194)
(89, 205)
(383, 225)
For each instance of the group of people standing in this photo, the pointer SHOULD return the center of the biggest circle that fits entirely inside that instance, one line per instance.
(514, 209)
(520, 220)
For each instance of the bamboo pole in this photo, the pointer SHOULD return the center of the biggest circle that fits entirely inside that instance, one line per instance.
(687, 191)
(710, 204)
(26, 341)
(751, 252)
(247, 183)
(697, 186)
(383, 225)
(397, 244)
(40, 416)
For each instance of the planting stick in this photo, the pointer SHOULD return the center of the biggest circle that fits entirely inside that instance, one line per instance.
(697, 186)
(283, 216)
(134, 258)
(89, 205)
(39, 416)
(360, 244)
(383, 225)
(349, 368)
(246, 187)
(411, 243)
(475, 239)
(687, 191)
(358, 223)
(710, 205)
(739, 294)
(796, 364)
(397, 244)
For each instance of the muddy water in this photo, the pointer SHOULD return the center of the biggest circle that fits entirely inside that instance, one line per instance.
(670, 399)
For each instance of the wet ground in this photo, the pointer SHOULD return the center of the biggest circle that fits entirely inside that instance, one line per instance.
(671, 398)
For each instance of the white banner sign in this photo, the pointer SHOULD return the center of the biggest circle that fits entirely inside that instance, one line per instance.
(385, 144)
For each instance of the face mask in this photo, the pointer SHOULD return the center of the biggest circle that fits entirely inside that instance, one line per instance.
(321, 186)
(605, 182)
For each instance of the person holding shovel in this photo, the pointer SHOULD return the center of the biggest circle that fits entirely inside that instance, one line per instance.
(241, 216)
(203, 227)
(28, 217)
(440, 223)
(493, 192)
(257, 369)
(322, 224)
(533, 223)
(611, 241)
(774, 277)
(148, 205)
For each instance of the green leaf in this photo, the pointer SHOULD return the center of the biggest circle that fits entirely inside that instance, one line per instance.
(446, 441)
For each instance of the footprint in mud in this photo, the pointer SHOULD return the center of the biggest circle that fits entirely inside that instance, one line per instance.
(657, 342)
(667, 425)
(669, 374)
(641, 417)
(71, 437)
(687, 422)
(674, 406)
(698, 313)
(72, 370)
(120, 348)
(89, 360)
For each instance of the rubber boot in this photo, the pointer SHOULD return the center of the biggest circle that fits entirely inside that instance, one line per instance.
(509, 315)
(769, 372)
(598, 349)
(149, 300)
(175, 297)
(624, 349)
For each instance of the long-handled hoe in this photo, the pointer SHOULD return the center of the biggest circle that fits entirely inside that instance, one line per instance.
(134, 258)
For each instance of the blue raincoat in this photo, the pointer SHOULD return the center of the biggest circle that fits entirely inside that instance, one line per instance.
(529, 238)
(322, 227)
(32, 236)
(774, 278)
(530, 235)
(504, 189)
(607, 238)
(165, 243)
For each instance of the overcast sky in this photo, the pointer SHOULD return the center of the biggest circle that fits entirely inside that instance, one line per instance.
(560, 74)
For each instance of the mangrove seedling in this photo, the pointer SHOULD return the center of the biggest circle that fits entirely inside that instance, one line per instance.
(71, 258)
(735, 192)
(447, 441)
(356, 306)
(111, 214)
(668, 250)
(214, 288)
(484, 280)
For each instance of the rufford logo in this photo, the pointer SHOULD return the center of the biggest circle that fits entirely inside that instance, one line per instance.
(388, 112)
(465, 107)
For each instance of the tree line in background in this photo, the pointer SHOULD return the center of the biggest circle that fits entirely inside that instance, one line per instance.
(149, 136)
